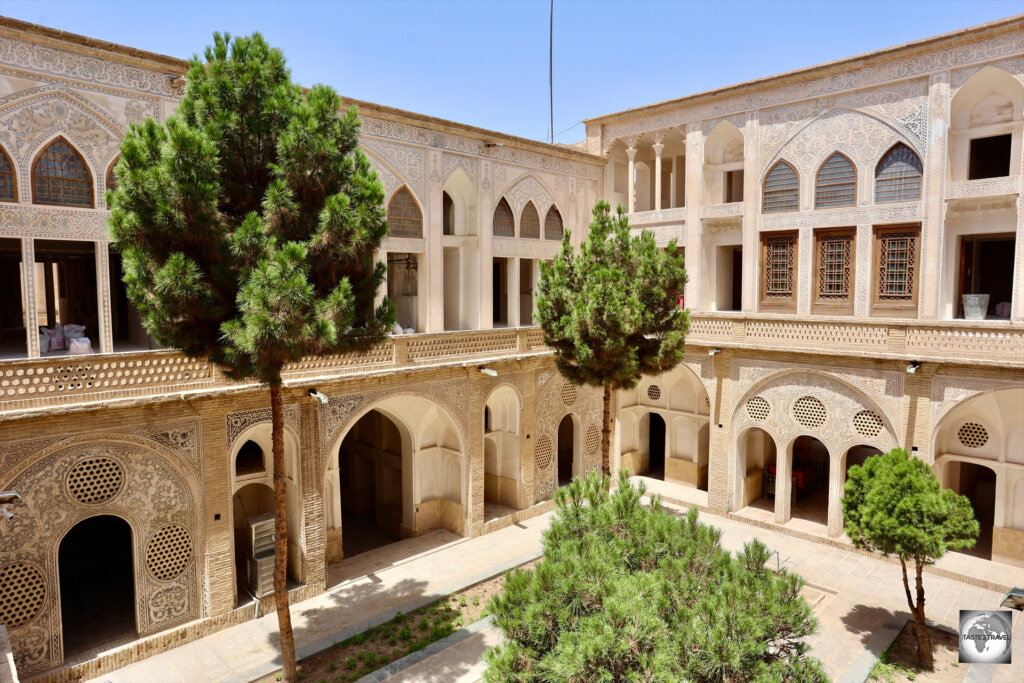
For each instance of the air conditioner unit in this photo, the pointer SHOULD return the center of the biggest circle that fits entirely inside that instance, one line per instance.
(260, 535)
(260, 575)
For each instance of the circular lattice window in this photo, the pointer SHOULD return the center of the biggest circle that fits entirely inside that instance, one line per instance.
(543, 452)
(809, 411)
(592, 441)
(973, 435)
(22, 594)
(568, 394)
(867, 423)
(654, 392)
(169, 552)
(95, 480)
(758, 408)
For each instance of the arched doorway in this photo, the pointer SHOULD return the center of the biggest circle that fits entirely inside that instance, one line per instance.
(250, 503)
(656, 446)
(370, 478)
(756, 471)
(858, 455)
(566, 448)
(97, 585)
(810, 480)
(501, 453)
(978, 484)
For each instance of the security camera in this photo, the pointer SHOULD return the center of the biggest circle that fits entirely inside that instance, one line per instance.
(313, 393)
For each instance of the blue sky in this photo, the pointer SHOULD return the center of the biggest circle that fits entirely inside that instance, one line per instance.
(486, 62)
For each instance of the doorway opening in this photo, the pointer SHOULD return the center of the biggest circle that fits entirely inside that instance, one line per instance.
(986, 267)
(566, 447)
(97, 587)
(13, 318)
(989, 157)
(729, 285)
(656, 447)
(810, 480)
(756, 471)
(978, 483)
(499, 288)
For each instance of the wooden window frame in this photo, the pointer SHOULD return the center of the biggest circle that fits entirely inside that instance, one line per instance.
(404, 219)
(819, 186)
(494, 218)
(834, 303)
(779, 303)
(536, 234)
(88, 172)
(14, 177)
(764, 190)
(920, 176)
(107, 185)
(895, 305)
(561, 224)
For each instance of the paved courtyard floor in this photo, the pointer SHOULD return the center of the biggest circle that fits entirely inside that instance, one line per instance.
(861, 601)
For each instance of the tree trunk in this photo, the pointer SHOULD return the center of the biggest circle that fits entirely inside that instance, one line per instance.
(925, 656)
(284, 617)
(606, 432)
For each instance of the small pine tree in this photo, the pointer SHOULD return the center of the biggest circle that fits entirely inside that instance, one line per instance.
(611, 312)
(893, 504)
(627, 592)
(247, 225)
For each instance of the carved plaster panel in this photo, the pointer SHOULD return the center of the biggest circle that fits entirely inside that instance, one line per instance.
(948, 392)
(404, 160)
(903, 212)
(515, 247)
(239, 422)
(454, 161)
(555, 399)
(18, 220)
(1013, 66)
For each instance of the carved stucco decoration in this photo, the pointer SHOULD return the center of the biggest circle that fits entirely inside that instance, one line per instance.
(513, 247)
(156, 492)
(550, 410)
(850, 215)
(183, 437)
(527, 189)
(739, 120)
(454, 161)
(703, 367)
(26, 220)
(1012, 65)
(404, 161)
(947, 392)
(239, 422)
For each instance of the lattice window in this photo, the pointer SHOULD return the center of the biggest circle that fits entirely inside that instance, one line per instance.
(504, 223)
(95, 480)
(404, 216)
(654, 392)
(8, 181)
(809, 412)
(60, 177)
(898, 176)
(169, 552)
(836, 184)
(758, 408)
(778, 266)
(592, 441)
(972, 435)
(897, 261)
(22, 594)
(553, 229)
(568, 394)
(867, 423)
(529, 222)
(111, 176)
(543, 452)
(834, 254)
(781, 189)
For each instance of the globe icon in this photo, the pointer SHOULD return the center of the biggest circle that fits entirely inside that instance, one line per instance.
(985, 637)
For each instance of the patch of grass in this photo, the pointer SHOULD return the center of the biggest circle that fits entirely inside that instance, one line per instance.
(887, 669)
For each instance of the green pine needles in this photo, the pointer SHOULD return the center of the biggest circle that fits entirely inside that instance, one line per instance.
(627, 592)
(611, 312)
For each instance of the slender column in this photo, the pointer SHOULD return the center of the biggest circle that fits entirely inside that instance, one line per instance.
(1017, 293)
(862, 270)
(512, 278)
(486, 201)
(51, 305)
(381, 256)
(28, 293)
(783, 482)
(106, 331)
(433, 262)
(805, 270)
(631, 153)
(692, 158)
(658, 149)
(835, 495)
(932, 195)
(751, 243)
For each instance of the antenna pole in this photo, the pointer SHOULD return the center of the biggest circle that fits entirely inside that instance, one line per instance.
(551, 70)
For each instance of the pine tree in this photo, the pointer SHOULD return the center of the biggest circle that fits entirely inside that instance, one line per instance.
(611, 312)
(627, 592)
(893, 504)
(247, 225)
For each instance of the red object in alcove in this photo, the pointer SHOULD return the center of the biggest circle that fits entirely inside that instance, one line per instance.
(682, 303)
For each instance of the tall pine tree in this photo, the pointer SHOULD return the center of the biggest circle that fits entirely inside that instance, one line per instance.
(247, 224)
(611, 312)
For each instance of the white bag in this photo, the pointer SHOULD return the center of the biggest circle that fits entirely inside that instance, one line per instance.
(44, 343)
(73, 332)
(80, 345)
(56, 336)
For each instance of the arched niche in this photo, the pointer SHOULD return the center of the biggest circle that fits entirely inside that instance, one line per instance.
(461, 255)
(503, 448)
(985, 130)
(723, 165)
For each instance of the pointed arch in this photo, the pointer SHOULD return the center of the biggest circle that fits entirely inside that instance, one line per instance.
(724, 144)
(111, 177)
(61, 176)
(781, 189)
(8, 178)
(898, 175)
(404, 216)
(553, 227)
(988, 97)
(529, 222)
(504, 222)
(835, 183)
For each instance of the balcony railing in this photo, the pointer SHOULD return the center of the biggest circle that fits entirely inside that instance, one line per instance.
(986, 187)
(639, 219)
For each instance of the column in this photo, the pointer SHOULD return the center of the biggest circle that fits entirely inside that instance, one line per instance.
(106, 331)
(932, 228)
(433, 261)
(862, 270)
(805, 271)
(28, 292)
(694, 153)
(631, 153)
(381, 256)
(783, 482)
(1017, 293)
(512, 278)
(658, 149)
(485, 231)
(835, 495)
(51, 305)
(751, 202)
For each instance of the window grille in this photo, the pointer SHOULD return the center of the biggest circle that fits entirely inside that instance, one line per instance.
(778, 266)
(111, 176)
(809, 412)
(654, 392)
(898, 176)
(95, 480)
(758, 408)
(504, 224)
(973, 435)
(544, 452)
(61, 177)
(7, 193)
(169, 552)
(404, 216)
(896, 264)
(781, 189)
(529, 222)
(834, 253)
(836, 184)
(867, 423)
(22, 594)
(553, 229)
(568, 394)
(592, 442)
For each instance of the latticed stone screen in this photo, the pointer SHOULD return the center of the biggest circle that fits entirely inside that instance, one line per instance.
(809, 412)
(568, 394)
(504, 223)
(654, 392)
(61, 177)
(836, 183)
(898, 176)
(404, 216)
(95, 480)
(592, 441)
(867, 423)
(758, 408)
(553, 228)
(529, 222)
(169, 552)
(543, 452)
(973, 435)
(22, 594)
(781, 189)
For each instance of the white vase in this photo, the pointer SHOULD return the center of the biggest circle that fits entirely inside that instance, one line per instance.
(975, 306)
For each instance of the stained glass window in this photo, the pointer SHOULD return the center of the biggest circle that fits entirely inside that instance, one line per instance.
(529, 222)
(404, 216)
(553, 225)
(61, 177)
(7, 181)
(836, 184)
(504, 224)
(898, 176)
(781, 189)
